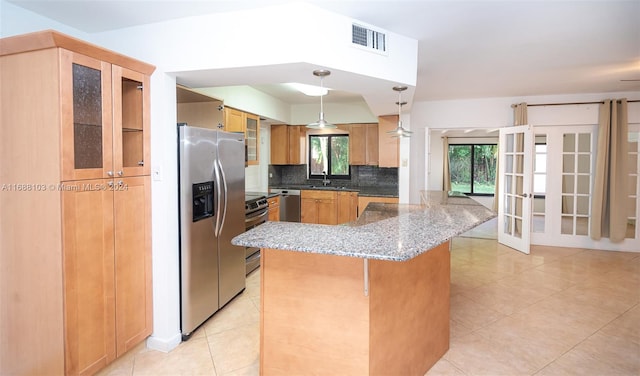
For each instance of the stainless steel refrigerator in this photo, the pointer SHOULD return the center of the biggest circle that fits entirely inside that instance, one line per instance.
(211, 198)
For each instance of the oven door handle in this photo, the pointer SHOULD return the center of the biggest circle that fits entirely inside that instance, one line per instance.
(255, 219)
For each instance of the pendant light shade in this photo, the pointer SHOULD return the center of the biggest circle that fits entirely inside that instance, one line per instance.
(321, 123)
(400, 131)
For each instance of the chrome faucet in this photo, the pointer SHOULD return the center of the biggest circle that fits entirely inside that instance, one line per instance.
(325, 181)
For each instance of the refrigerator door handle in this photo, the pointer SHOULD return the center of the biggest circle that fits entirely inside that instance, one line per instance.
(224, 211)
(216, 171)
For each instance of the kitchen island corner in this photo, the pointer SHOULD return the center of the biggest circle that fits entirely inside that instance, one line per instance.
(370, 297)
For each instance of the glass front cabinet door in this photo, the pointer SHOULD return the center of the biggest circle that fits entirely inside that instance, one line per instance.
(252, 139)
(130, 123)
(104, 126)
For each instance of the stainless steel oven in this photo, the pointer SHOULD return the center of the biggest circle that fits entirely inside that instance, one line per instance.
(256, 213)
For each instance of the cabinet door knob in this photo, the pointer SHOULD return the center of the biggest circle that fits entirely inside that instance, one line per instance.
(120, 173)
(109, 173)
(110, 184)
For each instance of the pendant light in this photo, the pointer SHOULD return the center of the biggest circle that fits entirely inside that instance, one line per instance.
(400, 131)
(321, 123)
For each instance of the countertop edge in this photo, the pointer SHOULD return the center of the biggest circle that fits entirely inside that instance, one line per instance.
(414, 231)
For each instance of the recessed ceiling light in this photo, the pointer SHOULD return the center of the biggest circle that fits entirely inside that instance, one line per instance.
(310, 90)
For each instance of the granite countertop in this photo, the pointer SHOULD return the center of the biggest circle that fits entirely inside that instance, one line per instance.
(394, 232)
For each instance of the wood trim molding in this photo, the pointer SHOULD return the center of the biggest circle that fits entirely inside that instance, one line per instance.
(51, 39)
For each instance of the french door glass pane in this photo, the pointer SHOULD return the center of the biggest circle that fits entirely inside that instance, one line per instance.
(576, 183)
(582, 226)
(634, 184)
(584, 143)
(568, 163)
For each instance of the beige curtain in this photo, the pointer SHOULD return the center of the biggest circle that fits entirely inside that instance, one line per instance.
(519, 118)
(446, 173)
(520, 114)
(608, 212)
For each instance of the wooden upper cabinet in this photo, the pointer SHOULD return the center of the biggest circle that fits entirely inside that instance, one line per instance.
(279, 144)
(86, 117)
(358, 145)
(372, 145)
(297, 144)
(288, 144)
(104, 119)
(199, 110)
(363, 144)
(247, 124)
(252, 138)
(388, 147)
(234, 120)
(131, 141)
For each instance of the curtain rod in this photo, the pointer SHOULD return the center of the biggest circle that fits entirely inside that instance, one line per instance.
(451, 138)
(567, 104)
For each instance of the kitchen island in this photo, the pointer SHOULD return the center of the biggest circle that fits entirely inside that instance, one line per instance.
(370, 297)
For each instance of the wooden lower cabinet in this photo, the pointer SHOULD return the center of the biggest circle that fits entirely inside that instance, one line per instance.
(133, 283)
(89, 286)
(107, 270)
(328, 207)
(347, 207)
(274, 208)
(318, 207)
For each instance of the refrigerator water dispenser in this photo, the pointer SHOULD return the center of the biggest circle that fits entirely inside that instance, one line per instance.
(202, 200)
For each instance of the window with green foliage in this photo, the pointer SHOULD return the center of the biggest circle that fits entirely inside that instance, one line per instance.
(473, 168)
(330, 154)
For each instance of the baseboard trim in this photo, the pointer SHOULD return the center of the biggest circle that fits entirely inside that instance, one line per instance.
(164, 344)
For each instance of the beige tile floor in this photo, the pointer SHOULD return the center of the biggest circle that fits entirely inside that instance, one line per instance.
(558, 311)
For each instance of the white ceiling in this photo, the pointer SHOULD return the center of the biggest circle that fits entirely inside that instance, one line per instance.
(467, 49)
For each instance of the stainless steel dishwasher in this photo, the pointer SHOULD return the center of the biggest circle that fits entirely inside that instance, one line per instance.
(289, 204)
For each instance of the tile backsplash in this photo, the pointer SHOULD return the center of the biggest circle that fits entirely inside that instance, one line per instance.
(361, 176)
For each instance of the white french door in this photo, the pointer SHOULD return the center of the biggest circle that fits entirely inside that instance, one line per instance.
(563, 185)
(515, 187)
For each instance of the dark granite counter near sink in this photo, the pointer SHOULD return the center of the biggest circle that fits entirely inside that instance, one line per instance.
(365, 191)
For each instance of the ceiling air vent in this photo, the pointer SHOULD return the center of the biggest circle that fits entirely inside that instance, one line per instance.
(368, 39)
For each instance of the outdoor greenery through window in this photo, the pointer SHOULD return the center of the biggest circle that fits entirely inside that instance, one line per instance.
(473, 168)
(329, 153)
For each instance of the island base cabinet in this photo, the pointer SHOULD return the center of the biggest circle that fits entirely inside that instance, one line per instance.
(320, 315)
